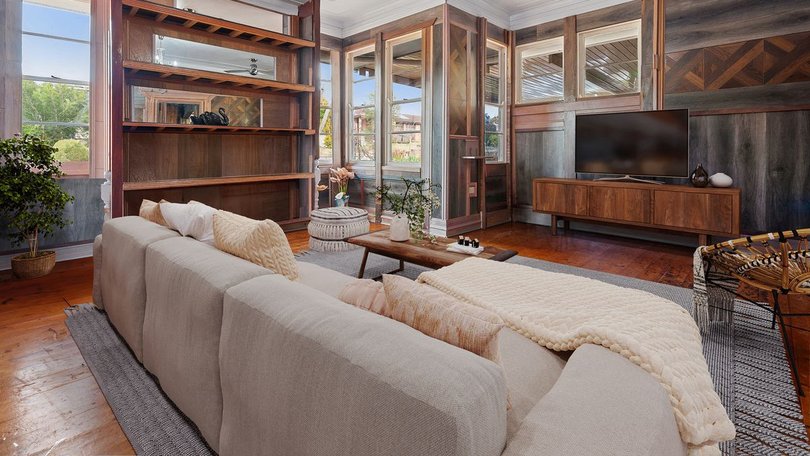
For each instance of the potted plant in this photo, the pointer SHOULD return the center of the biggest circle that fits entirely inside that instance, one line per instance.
(341, 177)
(411, 208)
(31, 201)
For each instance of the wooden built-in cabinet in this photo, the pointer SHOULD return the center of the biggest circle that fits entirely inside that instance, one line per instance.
(260, 169)
(679, 208)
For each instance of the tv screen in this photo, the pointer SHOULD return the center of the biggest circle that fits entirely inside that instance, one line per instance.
(652, 143)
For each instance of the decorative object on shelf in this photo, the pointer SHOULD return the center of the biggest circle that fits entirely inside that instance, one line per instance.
(211, 118)
(699, 177)
(341, 177)
(720, 180)
(416, 203)
(31, 201)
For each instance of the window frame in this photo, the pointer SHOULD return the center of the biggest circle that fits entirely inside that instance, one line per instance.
(388, 129)
(84, 85)
(502, 105)
(334, 80)
(604, 35)
(349, 93)
(538, 48)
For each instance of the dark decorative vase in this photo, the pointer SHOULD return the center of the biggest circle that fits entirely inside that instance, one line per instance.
(699, 178)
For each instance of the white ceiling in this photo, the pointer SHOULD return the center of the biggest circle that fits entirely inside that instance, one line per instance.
(342, 18)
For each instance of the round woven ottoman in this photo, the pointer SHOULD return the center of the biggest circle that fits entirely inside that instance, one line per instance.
(329, 227)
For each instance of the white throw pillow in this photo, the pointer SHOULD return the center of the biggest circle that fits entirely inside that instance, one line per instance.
(194, 219)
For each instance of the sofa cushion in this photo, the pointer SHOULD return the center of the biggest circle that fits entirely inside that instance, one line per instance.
(305, 374)
(150, 210)
(322, 279)
(366, 294)
(185, 284)
(530, 370)
(259, 241)
(602, 404)
(193, 219)
(122, 284)
(442, 316)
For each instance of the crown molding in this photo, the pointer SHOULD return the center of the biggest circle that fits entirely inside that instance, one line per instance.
(385, 13)
(481, 8)
(551, 11)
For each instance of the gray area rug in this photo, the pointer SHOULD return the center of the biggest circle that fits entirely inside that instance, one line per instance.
(746, 360)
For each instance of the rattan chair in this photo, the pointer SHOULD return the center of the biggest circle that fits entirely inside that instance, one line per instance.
(778, 263)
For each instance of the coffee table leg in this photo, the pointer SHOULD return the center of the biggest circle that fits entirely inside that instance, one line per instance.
(363, 264)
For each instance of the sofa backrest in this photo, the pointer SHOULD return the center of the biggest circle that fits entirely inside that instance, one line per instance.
(303, 373)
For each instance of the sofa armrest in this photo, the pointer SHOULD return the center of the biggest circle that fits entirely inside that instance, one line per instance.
(602, 404)
(97, 272)
(305, 374)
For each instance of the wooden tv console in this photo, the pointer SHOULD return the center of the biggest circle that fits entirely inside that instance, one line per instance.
(677, 208)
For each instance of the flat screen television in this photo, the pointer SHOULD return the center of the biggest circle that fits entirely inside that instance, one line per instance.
(651, 143)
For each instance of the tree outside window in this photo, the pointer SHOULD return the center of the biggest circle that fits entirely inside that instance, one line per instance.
(56, 71)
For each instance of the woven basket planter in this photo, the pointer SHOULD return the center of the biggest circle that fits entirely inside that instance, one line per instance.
(29, 268)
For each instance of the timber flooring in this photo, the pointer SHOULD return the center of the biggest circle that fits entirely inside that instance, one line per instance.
(49, 400)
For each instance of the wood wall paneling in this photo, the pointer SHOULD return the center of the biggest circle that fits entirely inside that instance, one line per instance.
(540, 32)
(10, 68)
(693, 24)
(538, 156)
(623, 12)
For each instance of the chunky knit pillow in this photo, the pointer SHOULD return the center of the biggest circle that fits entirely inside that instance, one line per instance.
(259, 241)
(442, 316)
(150, 210)
(364, 293)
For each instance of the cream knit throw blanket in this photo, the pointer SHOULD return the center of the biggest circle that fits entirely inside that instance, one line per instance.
(562, 312)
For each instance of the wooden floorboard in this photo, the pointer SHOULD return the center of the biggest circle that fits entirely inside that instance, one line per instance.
(51, 402)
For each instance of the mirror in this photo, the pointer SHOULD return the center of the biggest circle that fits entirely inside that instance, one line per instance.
(199, 56)
(165, 106)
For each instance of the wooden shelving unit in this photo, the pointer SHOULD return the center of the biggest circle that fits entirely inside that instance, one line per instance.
(171, 73)
(212, 181)
(148, 127)
(215, 26)
(258, 171)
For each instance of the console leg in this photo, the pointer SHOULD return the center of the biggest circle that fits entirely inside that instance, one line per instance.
(566, 225)
(553, 225)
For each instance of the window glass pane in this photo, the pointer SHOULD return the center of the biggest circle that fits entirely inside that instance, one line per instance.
(406, 70)
(71, 24)
(72, 144)
(492, 118)
(406, 116)
(362, 148)
(541, 77)
(47, 57)
(492, 82)
(493, 145)
(50, 102)
(406, 148)
(363, 80)
(612, 68)
(363, 120)
(325, 137)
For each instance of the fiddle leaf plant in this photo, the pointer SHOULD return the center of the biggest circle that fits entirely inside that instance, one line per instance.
(31, 201)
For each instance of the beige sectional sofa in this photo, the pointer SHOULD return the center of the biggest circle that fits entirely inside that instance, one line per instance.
(263, 365)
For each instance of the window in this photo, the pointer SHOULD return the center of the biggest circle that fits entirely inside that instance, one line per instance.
(56, 74)
(361, 94)
(405, 64)
(326, 126)
(495, 102)
(541, 71)
(609, 62)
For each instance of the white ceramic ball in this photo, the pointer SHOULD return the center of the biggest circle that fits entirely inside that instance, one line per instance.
(720, 180)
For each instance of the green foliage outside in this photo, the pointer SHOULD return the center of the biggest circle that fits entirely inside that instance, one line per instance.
(31, 200)
(71, 150)
(326, 130)
(51, 102)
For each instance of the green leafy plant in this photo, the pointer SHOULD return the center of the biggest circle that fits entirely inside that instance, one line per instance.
(31, 200)
(417, 202)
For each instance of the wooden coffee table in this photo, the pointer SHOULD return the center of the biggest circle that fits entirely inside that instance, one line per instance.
(421, 252)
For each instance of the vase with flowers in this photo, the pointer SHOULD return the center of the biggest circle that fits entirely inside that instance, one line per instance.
(411, 207)
(341, 177)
